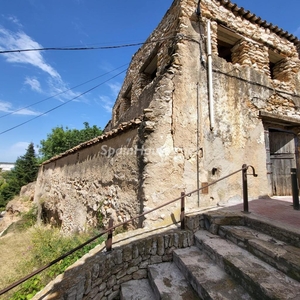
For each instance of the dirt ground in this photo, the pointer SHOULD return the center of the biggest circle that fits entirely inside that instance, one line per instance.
(14, 245)
(14, 249)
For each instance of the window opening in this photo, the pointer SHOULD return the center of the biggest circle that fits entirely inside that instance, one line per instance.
(117, 113)
(271, 67)
(127, 98)
(226, 40)
(224, 50)
(274, 59)
(149, 69)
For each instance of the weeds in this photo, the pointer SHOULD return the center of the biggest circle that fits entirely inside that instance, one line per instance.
(45, 246)
(27, 220)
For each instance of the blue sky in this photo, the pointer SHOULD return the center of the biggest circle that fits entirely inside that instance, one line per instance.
(47, 78)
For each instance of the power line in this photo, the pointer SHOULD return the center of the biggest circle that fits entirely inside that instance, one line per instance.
(38, 102)
(56, 107)
(71, 48)
(74, 48)
(84, 48)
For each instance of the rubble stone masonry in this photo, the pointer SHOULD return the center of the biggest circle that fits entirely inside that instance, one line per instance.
(99, 274)
(167, 136)
(255, 69)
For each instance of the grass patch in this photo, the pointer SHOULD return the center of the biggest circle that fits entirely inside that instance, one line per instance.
(32, 248)
(14, 249)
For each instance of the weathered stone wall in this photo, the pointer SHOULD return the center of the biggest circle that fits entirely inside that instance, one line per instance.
(161, 44)
(91, 185)
(179, 147)
(167, 83)
(241, 89)
(99, 275)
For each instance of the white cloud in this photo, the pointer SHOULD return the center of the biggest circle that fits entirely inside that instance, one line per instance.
(19, 40)
(10, 40)
(26, 112)
(106, 103)
(7, 107)
(14, 20)
(115, 88)
(33, 83)
(59, 88)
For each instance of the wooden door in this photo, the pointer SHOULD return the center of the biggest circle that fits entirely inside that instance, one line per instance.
(282, 158)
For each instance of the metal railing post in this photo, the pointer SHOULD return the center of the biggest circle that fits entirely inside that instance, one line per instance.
(245, 188)
(110, 229)
(182, 212)
(295, 189)
(110, 234)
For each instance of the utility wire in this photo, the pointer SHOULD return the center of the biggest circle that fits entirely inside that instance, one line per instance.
(84, 48)
(70, 49)
(56, 107)
(76, 86)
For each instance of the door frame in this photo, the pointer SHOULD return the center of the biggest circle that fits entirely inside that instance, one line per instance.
(284, 189)
(285, 124)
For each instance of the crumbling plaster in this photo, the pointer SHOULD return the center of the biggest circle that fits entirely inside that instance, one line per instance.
(241, 90)
(176, 144)
(88, 187)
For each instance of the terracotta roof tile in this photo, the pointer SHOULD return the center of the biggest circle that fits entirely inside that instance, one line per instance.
(254, 19)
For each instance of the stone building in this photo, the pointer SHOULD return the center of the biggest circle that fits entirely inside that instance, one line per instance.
(212, 88)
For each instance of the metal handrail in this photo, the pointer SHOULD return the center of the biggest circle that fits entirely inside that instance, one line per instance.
(111, 227)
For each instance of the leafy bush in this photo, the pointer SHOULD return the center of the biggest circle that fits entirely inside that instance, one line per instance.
(29, 289)
(29, 218)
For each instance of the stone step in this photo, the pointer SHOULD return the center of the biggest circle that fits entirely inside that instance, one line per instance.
(290, 236)
(169, 283)
(278, 254)
(137, 290)
(206, 277)
(211, 221)
(260, 279)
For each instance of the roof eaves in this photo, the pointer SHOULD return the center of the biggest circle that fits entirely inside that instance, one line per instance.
(246, 14)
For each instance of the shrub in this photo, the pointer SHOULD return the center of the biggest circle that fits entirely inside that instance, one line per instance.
(47, 245)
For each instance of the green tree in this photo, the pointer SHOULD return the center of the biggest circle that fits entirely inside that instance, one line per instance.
(62, 139)
(3, 186)
(26, 167)
(24, 172)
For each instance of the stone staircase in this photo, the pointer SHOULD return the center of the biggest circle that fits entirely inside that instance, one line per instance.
(232, 258)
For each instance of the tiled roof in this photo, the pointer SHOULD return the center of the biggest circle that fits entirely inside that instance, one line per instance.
(110, 134)
(257, 20)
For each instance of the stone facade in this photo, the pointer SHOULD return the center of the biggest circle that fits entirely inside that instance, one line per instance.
(87, 186)
(191, 131)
